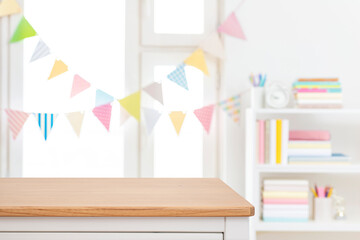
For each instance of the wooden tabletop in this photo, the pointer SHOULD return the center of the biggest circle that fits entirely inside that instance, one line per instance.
(120, 197)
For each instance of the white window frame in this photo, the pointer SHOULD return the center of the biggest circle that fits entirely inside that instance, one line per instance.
(150, 38)
(175, 48)
(11, 90)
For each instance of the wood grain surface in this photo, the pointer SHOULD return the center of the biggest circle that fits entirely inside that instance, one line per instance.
(120, 197)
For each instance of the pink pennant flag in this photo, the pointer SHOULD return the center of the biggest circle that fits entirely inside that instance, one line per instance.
(205, 116)
(103, 113)
(16, 120)
(79, 85)
(232, 27)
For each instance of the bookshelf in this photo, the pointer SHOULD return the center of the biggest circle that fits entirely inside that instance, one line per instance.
(345, 131)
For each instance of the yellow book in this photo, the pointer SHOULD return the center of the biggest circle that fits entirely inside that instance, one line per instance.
(268, 194)
(278, 141)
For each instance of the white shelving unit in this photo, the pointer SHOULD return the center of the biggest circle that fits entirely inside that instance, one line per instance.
(345, 139)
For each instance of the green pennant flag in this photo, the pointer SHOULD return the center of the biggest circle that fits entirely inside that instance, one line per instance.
(23, 30)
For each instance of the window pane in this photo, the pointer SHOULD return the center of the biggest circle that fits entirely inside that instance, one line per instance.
(179, 156)
(91, 41)
(179, 16)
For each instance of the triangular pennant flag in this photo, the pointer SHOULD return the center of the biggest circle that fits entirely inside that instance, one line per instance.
(205, 116)
(213, 45)
(58, 68)
(232, 107)
(40, 51)
(23, 30)
(124, 115)
(155, 91)
(151, 118)
(131, 104)
(178, 76)
(102, 98)
(79, 85)
(16, 120)
(197, 60)
(177, 119)
(9, 7)
(76, 119)
(45, 122)
(103, 113)
(232, 27)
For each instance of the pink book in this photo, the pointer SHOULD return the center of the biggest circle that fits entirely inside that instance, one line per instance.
(285, 201)
(261, 141)
(307, 90)
(309, 135)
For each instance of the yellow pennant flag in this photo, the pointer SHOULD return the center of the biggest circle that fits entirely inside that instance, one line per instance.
(9, 7)
(197, 59)
(58, 68)
(76, 119)
(132, 104)
(177, 118)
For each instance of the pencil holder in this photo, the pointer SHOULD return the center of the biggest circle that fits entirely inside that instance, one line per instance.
(323, 209)
(258, 97)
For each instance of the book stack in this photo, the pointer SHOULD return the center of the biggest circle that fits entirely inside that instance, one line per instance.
(272, 141)
(318, 93)
(285, 201)
(313, 147)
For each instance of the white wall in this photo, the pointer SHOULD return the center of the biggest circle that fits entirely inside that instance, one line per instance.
(288, 40)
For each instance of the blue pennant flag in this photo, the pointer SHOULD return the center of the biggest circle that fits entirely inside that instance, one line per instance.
(45, 122)
(102, 98)
(178, 76)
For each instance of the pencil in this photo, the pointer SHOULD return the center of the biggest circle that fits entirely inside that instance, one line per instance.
(330, 192)
(313, 191)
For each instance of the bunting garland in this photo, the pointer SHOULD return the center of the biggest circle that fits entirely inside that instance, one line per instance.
(41, 50)
(232, 27)
(76, 119)
(155, 91)
(130, 105)
(232, 107)
(23, 30)
(178, 76)
(102, 98)
(9, 7)
(45, 122)
(204, 115)
(177, 119)
(197, 59)
(151, 118)
(79, 85)
(16, 120)
(58, 68)
(103, 113)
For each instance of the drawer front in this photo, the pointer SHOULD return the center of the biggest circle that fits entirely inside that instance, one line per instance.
(111, 236)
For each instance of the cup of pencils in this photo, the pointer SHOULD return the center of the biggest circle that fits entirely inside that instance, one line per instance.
(258, 82)
(322, 203)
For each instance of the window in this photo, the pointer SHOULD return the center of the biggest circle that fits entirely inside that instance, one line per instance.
(80, 43)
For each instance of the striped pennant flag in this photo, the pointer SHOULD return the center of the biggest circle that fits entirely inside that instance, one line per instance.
(40, 51)
(45, 122)
(16, 120)
(232, 107)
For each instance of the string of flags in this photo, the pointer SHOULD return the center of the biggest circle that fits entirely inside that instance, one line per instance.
(130, 105)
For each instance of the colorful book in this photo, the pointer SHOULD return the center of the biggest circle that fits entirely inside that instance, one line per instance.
(290, 207)
(309, 152)
(309, 135)
(286, 214)
(276, 194)
(282, 188)
(261, 141)
(285, 201)
(296, 86)
(319, 101)
(324, 95)
(320, 106)
(284, 141)
(309, 144)
(318, 90)
(278, 141)
(315, 83)
(286, 182)
(318, 80)
(335, 157)
(267, 141)
(272, 142)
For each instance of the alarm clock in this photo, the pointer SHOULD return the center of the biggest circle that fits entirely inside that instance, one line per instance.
(277, 95)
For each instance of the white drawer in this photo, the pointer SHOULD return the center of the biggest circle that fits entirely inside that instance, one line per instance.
(111, 236)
